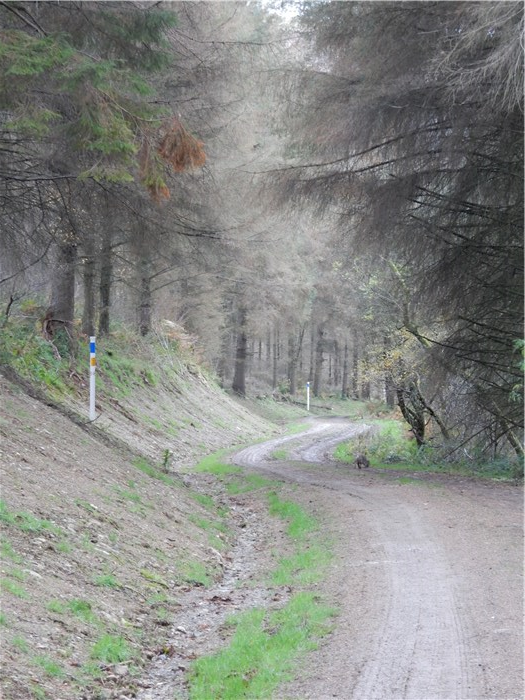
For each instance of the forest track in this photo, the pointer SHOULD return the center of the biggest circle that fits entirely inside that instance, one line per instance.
(428, 577)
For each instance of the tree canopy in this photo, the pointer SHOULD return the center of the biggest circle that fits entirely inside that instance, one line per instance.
(332, 195)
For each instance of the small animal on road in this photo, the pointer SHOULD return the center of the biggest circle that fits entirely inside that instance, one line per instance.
(361, 461)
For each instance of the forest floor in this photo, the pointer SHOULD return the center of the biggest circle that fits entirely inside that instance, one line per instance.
(117, 575)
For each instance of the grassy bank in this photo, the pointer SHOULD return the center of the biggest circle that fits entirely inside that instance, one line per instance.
(265, 644)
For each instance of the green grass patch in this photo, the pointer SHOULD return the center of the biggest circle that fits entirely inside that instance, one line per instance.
(27, 522)
(111, 649)
(208, 525)
(17, 574)
(161, 598)
(304, 567)
(154, 472)
(386, 446)
(119, 370)
(38, 693)
(213, 464)
(249, 482)
(280, 454)
(49, 666)
(3, 620)
(300, 524)
(501, 469)
(56, 606)
(125, 362)
(204, 500)
(308, 563)
(86, 505)
(89, 672)
(344, 452)
(388, 443)
(13, 588)
(354, 409)
(106, 581)
(20, 644)
(262, 651)
(195, 573)
(33, 357)
(295, 428)
(82, 609)
(265, 645)
(63, 547)
(408, 480)
(278, 411)
(153, 578)
(127, 494)
(162, 615)
(154, 422)
(7, 551)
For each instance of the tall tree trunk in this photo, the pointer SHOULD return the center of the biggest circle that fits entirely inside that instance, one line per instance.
(344, 387)
(292, 364)
(390, 391)
(408, 400)
(295, 346)
(145, 297)
(337, 363)
(275, 356)
(355, 367)
(106, 277)
(275, 365)
(58, 322)
(311, 370)
(268, 348)
(319, 359)
(365, 389)
(241, 353)
(224, 365)
(89, 279)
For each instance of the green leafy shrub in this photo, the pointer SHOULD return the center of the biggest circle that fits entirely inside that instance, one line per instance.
(33, 357)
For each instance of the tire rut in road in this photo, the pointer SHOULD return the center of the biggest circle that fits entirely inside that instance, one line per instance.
(418, 650)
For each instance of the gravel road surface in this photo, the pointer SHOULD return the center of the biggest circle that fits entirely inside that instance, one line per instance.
(428, 577)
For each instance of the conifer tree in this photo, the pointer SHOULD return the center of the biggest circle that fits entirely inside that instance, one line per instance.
(78, 98)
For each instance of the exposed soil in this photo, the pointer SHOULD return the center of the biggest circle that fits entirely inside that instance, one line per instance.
(427, 573)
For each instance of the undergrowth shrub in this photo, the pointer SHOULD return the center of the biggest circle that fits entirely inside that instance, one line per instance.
(389, 444)
(31, 356)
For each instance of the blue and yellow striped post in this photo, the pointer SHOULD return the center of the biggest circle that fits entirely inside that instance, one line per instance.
(92, 367)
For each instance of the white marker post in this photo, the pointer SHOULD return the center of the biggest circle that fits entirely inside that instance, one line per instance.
(92, 367)
(307, 396)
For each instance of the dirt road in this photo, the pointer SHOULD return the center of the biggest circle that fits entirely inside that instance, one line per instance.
(429, 577)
